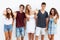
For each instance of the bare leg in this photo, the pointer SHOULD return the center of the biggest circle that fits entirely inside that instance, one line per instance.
(52, 37)
(49, 36)
(6, 36)
(10, 35)
(32, 36)
(29, 35)
(22, 38)
(42, 37)
(18, 38)
(36, 37)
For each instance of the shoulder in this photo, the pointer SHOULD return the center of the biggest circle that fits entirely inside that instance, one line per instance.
(39, 10)
(24, 13)
(36, 11)
(46, 12)
(33, 11)
(49, 16)
(17, 11)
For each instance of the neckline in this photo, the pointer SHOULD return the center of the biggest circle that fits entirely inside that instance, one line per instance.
(20, 12)
(41, 12)
(31, 15)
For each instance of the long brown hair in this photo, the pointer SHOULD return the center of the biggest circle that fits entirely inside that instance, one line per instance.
(55, 12)
(27, 10)
(8, 15)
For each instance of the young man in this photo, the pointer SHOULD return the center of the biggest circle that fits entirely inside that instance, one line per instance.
(20, 22)
(42, 21)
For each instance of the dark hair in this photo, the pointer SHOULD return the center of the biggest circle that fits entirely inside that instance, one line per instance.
(55, 12)
(22, 6)
(8, 15)
(43, 3)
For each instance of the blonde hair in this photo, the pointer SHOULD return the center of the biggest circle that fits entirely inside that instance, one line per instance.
(27, 10)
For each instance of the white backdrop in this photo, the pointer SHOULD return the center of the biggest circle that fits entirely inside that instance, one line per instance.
(14, 5)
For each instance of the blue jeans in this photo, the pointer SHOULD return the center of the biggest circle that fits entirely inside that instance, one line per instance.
(19, 31)
(7, 27)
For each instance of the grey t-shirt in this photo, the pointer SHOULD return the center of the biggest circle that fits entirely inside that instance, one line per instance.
(41, 19)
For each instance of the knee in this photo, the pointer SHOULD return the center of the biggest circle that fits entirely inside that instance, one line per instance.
(7, 38)
(52, 36)
(36, 36)
(49, 36)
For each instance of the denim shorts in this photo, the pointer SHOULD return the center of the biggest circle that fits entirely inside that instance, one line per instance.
(20, 32)
(7, 27)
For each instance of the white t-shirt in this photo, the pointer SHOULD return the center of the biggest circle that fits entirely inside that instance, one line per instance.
(8, 21)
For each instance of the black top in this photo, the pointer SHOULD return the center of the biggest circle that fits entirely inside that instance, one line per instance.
(41, 19)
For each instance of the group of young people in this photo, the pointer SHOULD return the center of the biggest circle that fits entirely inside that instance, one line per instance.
(33, 21)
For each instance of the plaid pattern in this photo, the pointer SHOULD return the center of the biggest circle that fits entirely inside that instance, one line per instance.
(52, 27)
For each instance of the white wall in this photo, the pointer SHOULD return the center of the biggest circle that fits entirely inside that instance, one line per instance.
(14, 4)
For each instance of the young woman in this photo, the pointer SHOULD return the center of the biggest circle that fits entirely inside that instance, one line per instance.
(8, 23)
(30, 25)
(53, 17)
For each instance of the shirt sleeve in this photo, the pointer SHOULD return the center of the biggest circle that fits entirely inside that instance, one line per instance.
(38, 12)
(17, 11)
(24, 15)
(46, 14)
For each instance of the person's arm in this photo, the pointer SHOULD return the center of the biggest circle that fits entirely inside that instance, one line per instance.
(24, 21)
(4, 12)
(35, 14)
(15, 14)
(27, 17)
(36, 11)
(12, 22)
(56, 18)
(47, 20)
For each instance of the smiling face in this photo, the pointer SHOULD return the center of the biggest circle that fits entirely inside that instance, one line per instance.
(43, 6)
(21, 8)
(52, 12)
(8, 11)
(29, 7)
